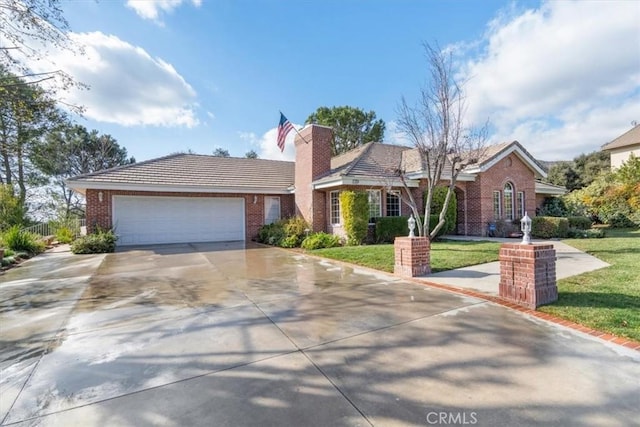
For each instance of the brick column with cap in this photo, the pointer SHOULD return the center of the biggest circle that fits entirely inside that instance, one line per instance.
(528, 274)
(411, 256)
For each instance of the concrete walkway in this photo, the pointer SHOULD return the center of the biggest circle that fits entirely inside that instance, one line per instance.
(485, 278)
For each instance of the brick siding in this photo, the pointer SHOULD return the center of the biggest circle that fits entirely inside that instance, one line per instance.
(313, 160)
(480, 192)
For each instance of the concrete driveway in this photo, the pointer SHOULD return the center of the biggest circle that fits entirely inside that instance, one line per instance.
(223, 335)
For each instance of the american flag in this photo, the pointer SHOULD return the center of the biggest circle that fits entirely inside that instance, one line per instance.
(284, 127)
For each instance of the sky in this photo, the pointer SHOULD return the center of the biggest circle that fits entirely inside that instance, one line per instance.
(560, 77)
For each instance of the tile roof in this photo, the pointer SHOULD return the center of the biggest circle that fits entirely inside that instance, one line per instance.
(631, 137)
(199, 171)
(377, 160)
(373, 160)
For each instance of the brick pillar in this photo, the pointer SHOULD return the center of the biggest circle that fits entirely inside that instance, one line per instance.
(411, 256)
(528, 274)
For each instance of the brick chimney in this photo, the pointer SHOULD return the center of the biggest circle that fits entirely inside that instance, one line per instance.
(313, 160)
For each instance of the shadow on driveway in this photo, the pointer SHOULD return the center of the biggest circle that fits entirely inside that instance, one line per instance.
(206, 334)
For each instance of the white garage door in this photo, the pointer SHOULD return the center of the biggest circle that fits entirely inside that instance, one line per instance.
(146, 220)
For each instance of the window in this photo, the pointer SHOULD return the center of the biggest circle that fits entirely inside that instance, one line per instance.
(520, 203)
(271, 209)
(508, 201)
(393, 203)
(497, 211)
(335, 207)
(375, 206)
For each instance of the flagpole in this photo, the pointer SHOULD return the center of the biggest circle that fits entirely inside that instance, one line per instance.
(294, 128)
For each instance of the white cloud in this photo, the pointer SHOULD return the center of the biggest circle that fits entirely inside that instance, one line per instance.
(267, 144)
(151, 9)
(393, 135)
(562, 79)
(127, 85)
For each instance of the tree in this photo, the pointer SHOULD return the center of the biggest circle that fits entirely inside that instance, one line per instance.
(251, 154)
(71, 151)
(221, 152)
(580, 172)
(24, 26)
(589, 166)
(436, 127)
(11, 212)
(352, 127)
(27, 113)
(612, 197)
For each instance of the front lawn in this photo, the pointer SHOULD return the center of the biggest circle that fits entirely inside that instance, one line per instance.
(607, 299)
(445, 255)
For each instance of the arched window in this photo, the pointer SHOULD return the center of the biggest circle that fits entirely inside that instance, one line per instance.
(508, 201)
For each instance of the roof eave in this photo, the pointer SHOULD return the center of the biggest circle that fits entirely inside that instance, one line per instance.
(514, 148)
(550, 189)
(81, 186)
(462, 176)
(362, 181)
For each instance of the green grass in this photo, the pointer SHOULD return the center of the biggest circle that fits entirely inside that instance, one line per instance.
(607, 299)
(445, 255)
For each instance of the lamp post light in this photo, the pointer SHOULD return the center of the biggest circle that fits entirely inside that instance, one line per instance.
(412, 225)
(525, 226)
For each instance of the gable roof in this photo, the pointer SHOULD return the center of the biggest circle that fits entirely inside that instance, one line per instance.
(373, 163)
(194, 173)
(376, 163)
(494, 153)
(627, 139)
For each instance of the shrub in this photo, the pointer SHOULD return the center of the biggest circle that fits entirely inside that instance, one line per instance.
(321, 240)
(390, 227)
(547, 227)
(8, 252)
(271, 234)
(618, 220)
(553, 206)
(355, 215)
(100, 242)
(290, 242)
(64, 235)
(451, 214)
(580, 222)
(592, 233)
(287, 233)
(17, 240)
(505, 228)
(295, 230)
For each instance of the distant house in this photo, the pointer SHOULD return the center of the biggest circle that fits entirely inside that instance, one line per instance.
(623, 146)
(191, 198)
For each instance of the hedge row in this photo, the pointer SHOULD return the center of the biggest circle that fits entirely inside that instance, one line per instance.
(547, 227)
(389, 227)
(580, 222)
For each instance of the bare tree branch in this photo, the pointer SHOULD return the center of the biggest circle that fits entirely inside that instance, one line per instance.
(437, 130)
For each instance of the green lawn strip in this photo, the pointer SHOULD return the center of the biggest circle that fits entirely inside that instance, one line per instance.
(445, 255)
(607, 299)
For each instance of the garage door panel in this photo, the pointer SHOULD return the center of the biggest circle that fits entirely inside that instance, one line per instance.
(147, 220)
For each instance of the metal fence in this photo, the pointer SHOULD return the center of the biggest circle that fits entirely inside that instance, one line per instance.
(49, 228)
